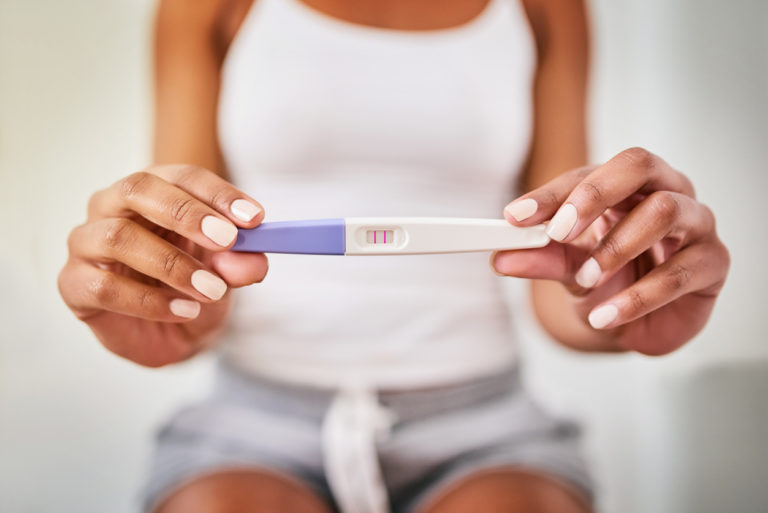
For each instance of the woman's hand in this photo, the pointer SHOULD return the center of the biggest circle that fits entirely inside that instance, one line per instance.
(149, 271)
(638, 254)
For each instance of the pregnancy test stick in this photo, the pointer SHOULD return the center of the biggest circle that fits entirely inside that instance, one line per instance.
(388, 236)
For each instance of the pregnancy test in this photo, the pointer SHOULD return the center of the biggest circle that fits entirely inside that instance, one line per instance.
(388, 236)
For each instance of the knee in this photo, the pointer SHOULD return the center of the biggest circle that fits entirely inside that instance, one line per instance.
(510, 491)
(243, 491)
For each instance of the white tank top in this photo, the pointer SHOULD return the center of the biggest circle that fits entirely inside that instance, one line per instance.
(322, 118)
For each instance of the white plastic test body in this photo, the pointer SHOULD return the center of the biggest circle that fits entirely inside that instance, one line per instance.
(389, 236)
(414, 235)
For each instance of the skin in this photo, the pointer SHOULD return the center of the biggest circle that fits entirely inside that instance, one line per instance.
(660, 262)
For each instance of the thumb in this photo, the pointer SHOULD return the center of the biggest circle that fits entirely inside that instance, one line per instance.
(240, 269)
(554, 261)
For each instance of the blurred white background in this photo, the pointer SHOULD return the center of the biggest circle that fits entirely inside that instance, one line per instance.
(687, 79)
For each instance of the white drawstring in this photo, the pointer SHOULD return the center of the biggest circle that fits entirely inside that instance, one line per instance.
(355, 421)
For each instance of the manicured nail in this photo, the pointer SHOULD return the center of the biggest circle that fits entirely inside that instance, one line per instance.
(219, 231)
(243, 209)
(185, 308)
(589, 273)
(522, 209)
(208, 284)
(602, 316)
(563, 222)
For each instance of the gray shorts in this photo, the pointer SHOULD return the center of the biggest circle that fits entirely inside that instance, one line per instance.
(439, 436)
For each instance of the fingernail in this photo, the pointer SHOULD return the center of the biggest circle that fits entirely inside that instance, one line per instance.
(522, 209)
(185, 308)
(562, 224)
(208, 284)
(219, 231)
(589, 273)
(602, 316)
(243, 209)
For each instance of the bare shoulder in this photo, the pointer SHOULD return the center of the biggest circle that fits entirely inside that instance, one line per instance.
(210, 21)
(191, 14)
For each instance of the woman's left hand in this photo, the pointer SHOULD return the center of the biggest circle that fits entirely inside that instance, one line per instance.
(636, 250)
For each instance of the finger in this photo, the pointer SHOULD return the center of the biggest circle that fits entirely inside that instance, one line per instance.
(661, 215)
(213, 190)
(631, 171)
(122, 240)
(167, 206)
(540, 204)
(698, 268)
(240, 269)
(552, 262)
(88, 290)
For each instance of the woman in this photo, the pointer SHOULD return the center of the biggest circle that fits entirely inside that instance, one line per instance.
(369, 384)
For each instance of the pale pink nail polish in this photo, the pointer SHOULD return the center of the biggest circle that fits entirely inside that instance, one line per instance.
(219, 231)
(522, 209)
(243, 209)
(602, 316)
(563, 222)
(589, 274)
(185, 308)
(208, 284)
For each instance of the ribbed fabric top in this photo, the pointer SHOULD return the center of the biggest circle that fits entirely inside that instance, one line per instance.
(322, 118)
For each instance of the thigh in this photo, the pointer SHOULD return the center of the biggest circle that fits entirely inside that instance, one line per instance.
(507, 490)
(252, 491)
(428, 454)
(250, 434)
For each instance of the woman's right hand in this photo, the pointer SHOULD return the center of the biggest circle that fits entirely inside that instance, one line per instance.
(149, 271)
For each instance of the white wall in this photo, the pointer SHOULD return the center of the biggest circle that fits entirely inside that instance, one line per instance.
(687, 79)
(75, 422)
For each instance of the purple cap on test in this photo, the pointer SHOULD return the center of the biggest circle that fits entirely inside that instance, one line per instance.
(315, 237)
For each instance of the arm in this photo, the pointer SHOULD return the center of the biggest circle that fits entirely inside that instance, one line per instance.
(635, 262)
(560, 143)
(149, 271)
(188, 59)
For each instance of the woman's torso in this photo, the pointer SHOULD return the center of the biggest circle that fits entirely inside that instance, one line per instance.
(323, 118)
